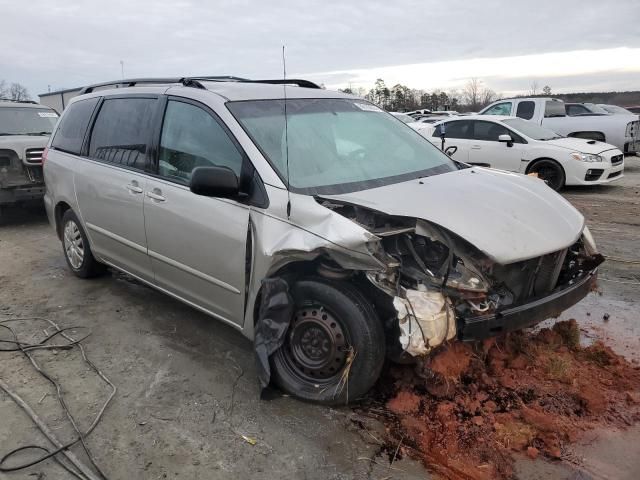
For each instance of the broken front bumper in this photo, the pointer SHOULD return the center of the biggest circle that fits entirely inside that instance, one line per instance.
(527, 315)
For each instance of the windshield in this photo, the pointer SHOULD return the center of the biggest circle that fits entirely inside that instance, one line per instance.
(337, 145)
(615, 109)
(596, 109)
(530, 129)
(27, 121)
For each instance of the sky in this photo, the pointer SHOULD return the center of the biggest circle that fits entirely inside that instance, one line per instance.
(570, 45)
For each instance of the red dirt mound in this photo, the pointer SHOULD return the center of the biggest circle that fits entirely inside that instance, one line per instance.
(465, 410)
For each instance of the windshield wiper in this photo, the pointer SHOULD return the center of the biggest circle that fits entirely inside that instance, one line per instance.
(38, 133)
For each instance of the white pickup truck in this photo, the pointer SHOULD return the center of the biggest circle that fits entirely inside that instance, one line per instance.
(623, 131)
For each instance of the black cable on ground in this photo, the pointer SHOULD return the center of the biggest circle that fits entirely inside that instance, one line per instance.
(24, 347)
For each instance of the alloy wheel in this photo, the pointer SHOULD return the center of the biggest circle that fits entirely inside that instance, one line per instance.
(73, 245)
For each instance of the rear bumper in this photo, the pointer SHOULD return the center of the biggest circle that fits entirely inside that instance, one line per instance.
(21, 194)
(527, 315)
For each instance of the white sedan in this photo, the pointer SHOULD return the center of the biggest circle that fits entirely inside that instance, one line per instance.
(517, 145)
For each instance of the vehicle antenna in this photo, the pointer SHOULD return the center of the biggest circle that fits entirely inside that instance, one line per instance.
(286, 132)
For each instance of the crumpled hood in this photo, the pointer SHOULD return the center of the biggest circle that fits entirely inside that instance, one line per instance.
(509, 217)
(581, 145)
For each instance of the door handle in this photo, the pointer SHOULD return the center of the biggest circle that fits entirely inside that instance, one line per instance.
(476, 147)
(156, 195)
(133, 188)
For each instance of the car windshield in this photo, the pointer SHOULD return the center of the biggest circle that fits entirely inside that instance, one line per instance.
(615, 109)
(530, 129)
(596, 109)
(337, 145)
(27, 121)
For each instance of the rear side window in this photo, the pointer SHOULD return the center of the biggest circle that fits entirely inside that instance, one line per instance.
(525, 110)
(122, 131)
(73, 126)
(456, 129)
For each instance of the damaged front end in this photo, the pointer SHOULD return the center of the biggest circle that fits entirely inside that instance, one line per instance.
(441, 287)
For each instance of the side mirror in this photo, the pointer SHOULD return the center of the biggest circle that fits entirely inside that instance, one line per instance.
(214, 182)
(506, 139)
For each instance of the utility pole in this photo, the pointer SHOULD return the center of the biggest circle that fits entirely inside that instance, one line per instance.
(122, 68)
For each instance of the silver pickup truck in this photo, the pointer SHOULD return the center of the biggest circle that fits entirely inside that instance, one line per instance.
(623, 131)
(24, 132)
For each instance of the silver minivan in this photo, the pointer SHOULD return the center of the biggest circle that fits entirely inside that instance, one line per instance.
(324, 229)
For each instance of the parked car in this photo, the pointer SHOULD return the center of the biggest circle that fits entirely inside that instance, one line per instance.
(421, 111)
(582, 109)
(403, 117)
(445, 113)
(24, 132)
(616, 110)
(618, 130)
(517, 145)
(428, 118)
(313, 222)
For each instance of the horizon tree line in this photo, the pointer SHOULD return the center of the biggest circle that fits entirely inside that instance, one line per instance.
(474, 96)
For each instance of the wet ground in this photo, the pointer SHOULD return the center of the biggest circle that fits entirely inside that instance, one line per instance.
(188, 401)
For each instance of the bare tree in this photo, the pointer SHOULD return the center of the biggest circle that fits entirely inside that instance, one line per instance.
(471, 93)
(3, 90)
(546, 90)
(487, 96)
(475, 95)
(533, 90)
(18, 92)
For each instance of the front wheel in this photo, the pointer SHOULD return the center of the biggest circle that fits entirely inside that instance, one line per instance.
(334, 348)
(77, 251)
(550, 171)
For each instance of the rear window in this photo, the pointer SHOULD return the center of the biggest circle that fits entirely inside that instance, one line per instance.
(73, 126)
(122, 131)
(554, 109)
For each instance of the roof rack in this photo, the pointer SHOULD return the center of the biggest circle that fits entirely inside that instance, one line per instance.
(194, 82)
(132, 82)
(288, 81)
(275, 81)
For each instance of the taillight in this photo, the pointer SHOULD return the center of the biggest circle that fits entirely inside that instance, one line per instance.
(44, 155)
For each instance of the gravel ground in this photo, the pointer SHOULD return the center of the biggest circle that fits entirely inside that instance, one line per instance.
(188, 400)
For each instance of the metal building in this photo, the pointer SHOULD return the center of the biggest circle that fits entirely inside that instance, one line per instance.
(60, 99)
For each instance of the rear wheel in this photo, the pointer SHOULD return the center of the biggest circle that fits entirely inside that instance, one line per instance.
(334, 348)
(77, 251)
(550, 171)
